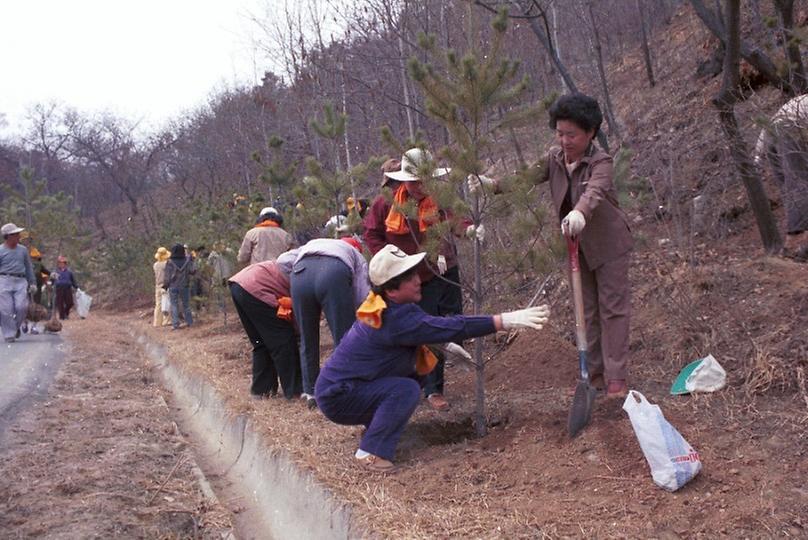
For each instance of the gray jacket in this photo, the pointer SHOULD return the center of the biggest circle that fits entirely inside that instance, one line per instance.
(177, 274)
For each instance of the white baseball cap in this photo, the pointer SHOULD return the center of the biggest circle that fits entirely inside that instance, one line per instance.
(10, 228)
(412, 160)
(267, 210)
(390, 262)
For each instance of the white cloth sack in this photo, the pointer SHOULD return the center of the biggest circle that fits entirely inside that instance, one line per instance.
(672, 460)
(83, 302)
(708, 376)
(165, 302)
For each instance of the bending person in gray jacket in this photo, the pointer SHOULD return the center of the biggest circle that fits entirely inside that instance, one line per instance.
(328, 276)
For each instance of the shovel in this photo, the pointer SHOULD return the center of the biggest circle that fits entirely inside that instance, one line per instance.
(584, 398)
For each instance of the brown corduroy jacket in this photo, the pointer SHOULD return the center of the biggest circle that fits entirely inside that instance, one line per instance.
(607, 234)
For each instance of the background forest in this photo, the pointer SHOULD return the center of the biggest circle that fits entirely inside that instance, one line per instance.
(106, 192)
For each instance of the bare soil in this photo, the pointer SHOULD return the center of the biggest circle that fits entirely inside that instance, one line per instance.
(100, 457)
(526, 478)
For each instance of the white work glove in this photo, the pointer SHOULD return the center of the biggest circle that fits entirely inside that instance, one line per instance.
(476, 232)
(441, 264)
(532, 317)
(32, 289)
(573, 224)
(475, 183)
(454, 348)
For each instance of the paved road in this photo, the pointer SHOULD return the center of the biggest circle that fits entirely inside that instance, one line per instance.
(27, 367)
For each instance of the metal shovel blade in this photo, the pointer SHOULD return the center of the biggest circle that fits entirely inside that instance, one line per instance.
(581, 410)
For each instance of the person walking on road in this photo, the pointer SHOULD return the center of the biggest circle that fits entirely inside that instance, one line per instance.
(331, 276)
(63, 283)
(266, 240)
(178, 272)
(161, 307)
(262, 298)
(17, 281)
(373, 377)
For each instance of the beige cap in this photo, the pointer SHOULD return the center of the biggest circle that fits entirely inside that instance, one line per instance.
(411, 161)
(390, 262)
(10, 228)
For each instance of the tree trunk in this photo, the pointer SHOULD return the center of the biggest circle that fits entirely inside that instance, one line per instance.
(348, 164)
(796, 69)
(751, 54)
(613, 128)
(545, 41)
(725, 103)
(480, 423)
(554, 12)
(646, 51)
(405, 88)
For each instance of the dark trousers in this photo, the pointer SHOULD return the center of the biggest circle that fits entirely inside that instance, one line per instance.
(176, 295)
(383, 406)
(64, 300)
(320, 284)
(274, 345)
(440, 298)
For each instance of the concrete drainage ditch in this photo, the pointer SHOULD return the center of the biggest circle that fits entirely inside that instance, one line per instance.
(276, 498)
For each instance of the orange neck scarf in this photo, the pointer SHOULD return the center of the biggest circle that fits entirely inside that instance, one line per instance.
(396, 221)
(285, 308)
(267, 223)
(370, 313)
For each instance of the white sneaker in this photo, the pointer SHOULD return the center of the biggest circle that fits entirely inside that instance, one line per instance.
(306, 396)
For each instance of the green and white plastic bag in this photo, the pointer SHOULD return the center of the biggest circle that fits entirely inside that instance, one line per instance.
(673, 461)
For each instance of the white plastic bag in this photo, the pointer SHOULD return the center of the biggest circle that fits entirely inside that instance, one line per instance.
(672, 460)
(83, 302)
(165, 302)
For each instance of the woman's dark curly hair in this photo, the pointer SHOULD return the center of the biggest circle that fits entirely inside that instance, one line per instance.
(580, 109)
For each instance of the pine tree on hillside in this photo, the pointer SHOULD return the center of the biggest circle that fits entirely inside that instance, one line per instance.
(467, 94)
(323, 192)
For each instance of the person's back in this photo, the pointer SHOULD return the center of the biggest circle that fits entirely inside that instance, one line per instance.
(267, 240)
(178, 272)
(159, 272)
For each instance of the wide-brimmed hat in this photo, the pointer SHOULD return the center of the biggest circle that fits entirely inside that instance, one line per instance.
(390, 262)
(162, 254)
(34, 253)
(412, 160)
(10, 228)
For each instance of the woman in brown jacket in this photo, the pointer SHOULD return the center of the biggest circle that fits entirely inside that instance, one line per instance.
(585, 199)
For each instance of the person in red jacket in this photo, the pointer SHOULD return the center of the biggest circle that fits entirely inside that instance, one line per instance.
(386, 224)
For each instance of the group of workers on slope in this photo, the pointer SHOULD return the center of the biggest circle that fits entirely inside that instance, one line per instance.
(23, 279)
(375, 375)
(382, 315)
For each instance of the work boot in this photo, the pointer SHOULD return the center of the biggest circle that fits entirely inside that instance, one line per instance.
(438, 402)
(376, 464)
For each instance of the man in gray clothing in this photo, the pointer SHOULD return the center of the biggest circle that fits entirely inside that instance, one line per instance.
(328, 276)
(16, 281)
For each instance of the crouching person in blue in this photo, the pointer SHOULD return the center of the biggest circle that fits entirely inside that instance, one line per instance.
(374, 376)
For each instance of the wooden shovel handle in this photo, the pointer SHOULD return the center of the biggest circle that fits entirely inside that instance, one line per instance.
(577, 293)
